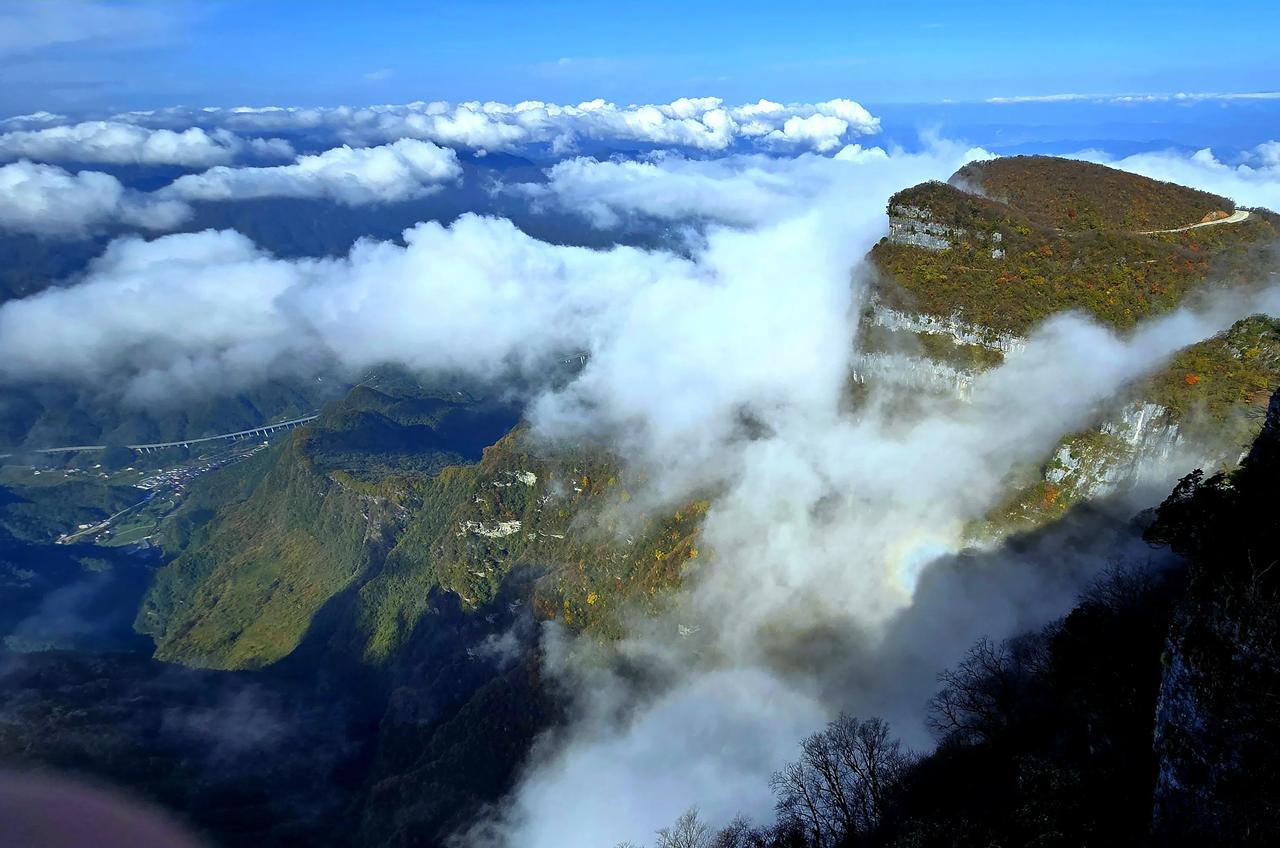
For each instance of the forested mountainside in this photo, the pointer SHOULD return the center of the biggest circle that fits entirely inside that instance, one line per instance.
(970, 266)
(1008, 242)
(378, 577)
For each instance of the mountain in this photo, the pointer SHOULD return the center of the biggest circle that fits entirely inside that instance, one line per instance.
(1008, 242)
(1143, 717)
(971, 265)
(372, 499)
(1216, 729)
(380, 574)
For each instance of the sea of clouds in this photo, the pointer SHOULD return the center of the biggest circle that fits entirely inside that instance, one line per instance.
(828, 524)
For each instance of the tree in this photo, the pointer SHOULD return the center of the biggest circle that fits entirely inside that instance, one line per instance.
(740, 834)
(841, 784)
(981, 695)
(689, 831)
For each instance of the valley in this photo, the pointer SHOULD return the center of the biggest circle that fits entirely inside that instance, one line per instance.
(344, 613)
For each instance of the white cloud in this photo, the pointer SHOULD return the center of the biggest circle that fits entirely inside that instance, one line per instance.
(40, 118)
(821, 539)
(1176, 97)
(49, 201)
(704, 123)
(115, 142)
(737, 189)
(406, 169)
(476, 296)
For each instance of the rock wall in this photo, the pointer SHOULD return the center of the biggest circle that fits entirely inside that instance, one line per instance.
(916, 226)
(959, 331)
(1101, 462)
(914, 372)
(1216, 724)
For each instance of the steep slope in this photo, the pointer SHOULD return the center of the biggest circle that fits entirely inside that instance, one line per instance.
(1203, 408)
(971, 265)
(1047, 738)
(1047, 235)
(301, 524)
(366, 499)
(1217, 731)
(243, 594)
(561, 514)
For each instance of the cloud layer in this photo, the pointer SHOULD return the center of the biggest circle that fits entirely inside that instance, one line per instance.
(742, 190)
(702, 123)
(49, 201)
(1175, 97)
(400, 171)
(478, 295)
(46, 200)
(120, 143)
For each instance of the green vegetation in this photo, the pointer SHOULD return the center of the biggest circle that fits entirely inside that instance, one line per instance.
(1100, 265)
(1223, 383)
(401, 428)
(1083, 463)
(1071, 195)
(220, 489)
(938, 347)
(596, 558)
(39, 509)
(391, 520)
(244, 592)
(53, 414)
(1215, 391)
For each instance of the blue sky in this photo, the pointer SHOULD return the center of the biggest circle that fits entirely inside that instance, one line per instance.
(111, 55)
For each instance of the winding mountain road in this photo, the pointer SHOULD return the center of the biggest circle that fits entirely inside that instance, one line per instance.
(1234, 218)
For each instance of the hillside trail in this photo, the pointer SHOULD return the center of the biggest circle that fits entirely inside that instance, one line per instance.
(1234, 218)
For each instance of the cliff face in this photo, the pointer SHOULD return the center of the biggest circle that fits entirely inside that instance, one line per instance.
(1146, 716)
(969, 266)
(917, 227)
(1216, 725)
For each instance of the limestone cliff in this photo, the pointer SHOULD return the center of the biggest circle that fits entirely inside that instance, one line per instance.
(1216, 726)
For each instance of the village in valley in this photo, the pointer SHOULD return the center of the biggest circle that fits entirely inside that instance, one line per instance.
(163, 490)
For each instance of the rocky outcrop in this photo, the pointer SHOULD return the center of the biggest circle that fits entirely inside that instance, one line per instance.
(1099, 463)
(917, 226)
(953, 327)
(913, 372)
